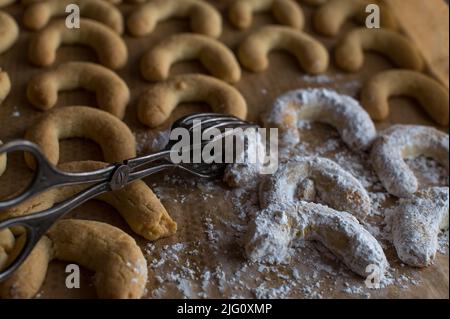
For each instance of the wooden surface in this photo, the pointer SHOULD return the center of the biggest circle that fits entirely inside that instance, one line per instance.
(284, 74)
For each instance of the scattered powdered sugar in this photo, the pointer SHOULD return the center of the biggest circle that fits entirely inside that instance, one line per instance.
(212, 264)
(16, 111)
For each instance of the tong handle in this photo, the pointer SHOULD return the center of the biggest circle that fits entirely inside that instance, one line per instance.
(46, 175)
(36, 225)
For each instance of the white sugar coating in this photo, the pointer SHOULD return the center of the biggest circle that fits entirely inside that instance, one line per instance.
(336, 187)
(404, 141)
(416, 223)
(276, 229)
(248, 162)
(322, 105)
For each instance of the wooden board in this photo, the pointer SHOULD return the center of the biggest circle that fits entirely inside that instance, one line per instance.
(196, 205)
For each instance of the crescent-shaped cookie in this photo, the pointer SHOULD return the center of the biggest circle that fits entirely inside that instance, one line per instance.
(157, 103)
(310, 53)
(214, 55)
(109, 46)
(349, 52)
(112, 135)
(416, 223)
(112, 92)
(429, 93)
(330, 17)
(5, 85)
(286, 12)
(136, 203)
(279, 227)
(326, 106)
(309, 178)
(204, 17)
(405, 141)
(9, 32)
(119, 265)
(38, 14)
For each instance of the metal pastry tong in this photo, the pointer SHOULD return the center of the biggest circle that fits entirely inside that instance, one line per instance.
(113, 177)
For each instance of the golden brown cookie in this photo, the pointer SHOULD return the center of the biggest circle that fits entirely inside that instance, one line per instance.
(429, 93)
(38, 14)
(119, 265)
(9, 31)
(310, 53)
(286, 12)
(112, 135)
(5, 85)
(157, 103)
(214, 55)
(204, 17)
(330, 17)
(112, 92)
(349, 52)
(109, 46)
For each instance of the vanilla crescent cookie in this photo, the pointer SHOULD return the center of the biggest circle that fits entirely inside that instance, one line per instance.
(279, 227)
(330, 17)
(136, 203)
(5, 85)
(157, 103)
(38, 14)
(111, 49)
(112, 135)
(9, 31)
(287, 12)
(120, 267)
(399, 142)
(112, 92)
(431, 95)
(326, 106)
(416, 223)
(7, 242)
(204, 17)
(349, 52)
(213, 54)
(310, 53)
(313, 178)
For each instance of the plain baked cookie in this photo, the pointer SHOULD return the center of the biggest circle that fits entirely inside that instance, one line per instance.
(112, 92)
(5, 86)
(111, 49)
(287, 12)
(204, 17)
(429, 93)
(349, 52)
(342, 112)
(9, 31)
(38, 14)
(399, 142)
(215, 56)
(310, 53)
(157, 103)
(112, 135)
(330, 17)
(119, 265)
